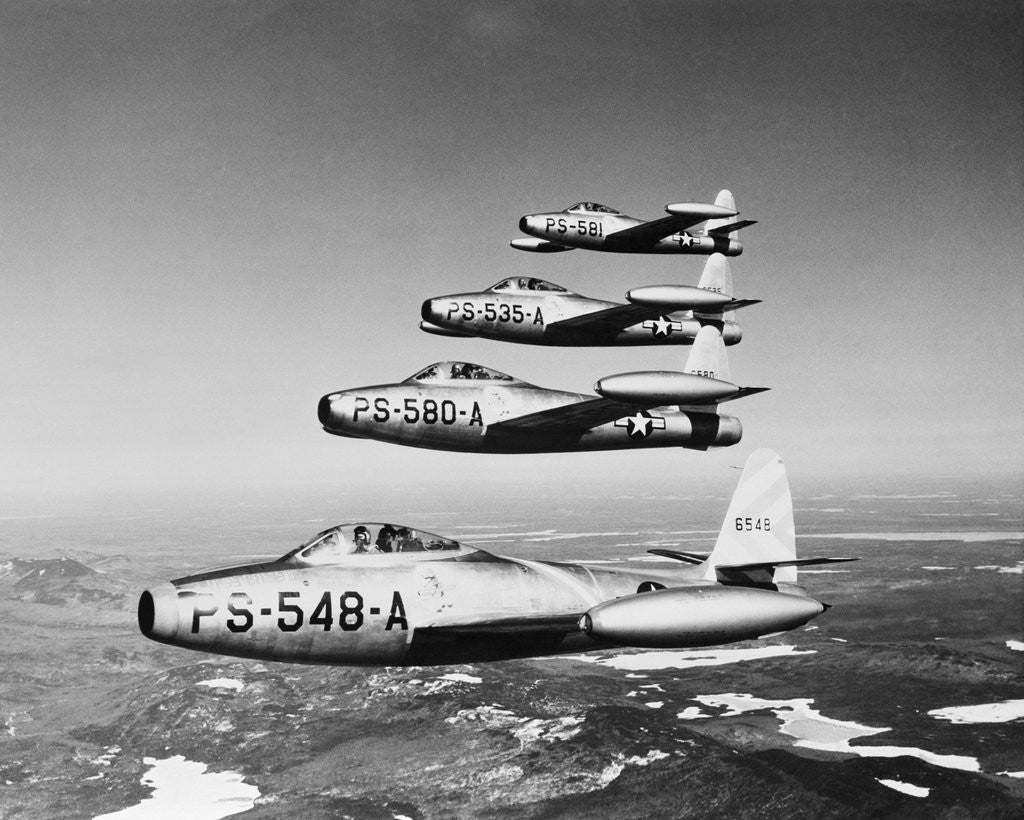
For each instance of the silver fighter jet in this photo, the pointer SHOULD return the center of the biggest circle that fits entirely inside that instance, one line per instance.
(531, 311)
(407, 597)
(597, 227)
(470, 408)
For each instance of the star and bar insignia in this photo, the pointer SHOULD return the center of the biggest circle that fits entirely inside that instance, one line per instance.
(662, 326)
(639, 426)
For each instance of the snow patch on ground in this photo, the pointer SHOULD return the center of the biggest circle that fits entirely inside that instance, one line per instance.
(1016, 646)
(815, 731)
(1001, 712)
(183, 788)
(459, 677)
(1015, 570)
(223, 683)
(906, 788)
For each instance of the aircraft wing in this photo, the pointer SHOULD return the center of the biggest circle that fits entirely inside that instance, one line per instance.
(605, 323)
(651, 232)
(576, 416)
(610, 321)
(547, 624)
(725, 230)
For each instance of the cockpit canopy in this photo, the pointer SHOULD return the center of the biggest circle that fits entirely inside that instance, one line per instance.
(349, 542)
(527, 283)
(590, 207)
(447, 371)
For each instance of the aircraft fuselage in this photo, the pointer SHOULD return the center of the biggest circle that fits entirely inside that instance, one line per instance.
(386, 609)
(457, 415)
(595, 232)
(527, 318)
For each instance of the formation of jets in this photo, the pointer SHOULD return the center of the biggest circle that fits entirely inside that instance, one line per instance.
(372, 593)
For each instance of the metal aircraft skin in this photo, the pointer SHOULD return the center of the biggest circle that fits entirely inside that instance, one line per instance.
(527, 310)
(466, 407)
(410, 598)
(596, 227)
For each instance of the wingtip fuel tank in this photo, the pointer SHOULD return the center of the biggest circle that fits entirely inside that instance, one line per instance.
(701, 210)
(697, 616)
(679, 297)
(665, 387)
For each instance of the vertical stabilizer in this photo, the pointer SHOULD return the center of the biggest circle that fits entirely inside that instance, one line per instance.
(717, 278)
(707, 356)
(725, 199)
(758, 528)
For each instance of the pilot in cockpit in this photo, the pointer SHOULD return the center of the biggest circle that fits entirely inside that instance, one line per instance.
(386, 539)
(362, 539)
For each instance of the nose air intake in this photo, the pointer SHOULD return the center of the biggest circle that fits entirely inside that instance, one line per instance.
(147, 613)
(323, 411)
(426, 311)
(158, 613)
(522, 224)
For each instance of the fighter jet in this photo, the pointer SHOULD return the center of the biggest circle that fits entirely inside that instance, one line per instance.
(531, 311)
(411, 598)
(470, 408)
(600, 228)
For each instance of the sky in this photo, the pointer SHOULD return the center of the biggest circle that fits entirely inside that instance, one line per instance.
(211, 214)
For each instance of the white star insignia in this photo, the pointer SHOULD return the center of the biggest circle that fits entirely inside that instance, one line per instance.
(662, 326)
(641, 425)
(685, 240)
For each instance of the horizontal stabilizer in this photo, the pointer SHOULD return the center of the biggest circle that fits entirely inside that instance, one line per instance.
(723, 230)
(735, 304)
(685, 557)
(747, 391)
(767, 573)
(795, 562)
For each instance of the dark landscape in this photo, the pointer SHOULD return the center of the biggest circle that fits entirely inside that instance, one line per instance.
(929, 619)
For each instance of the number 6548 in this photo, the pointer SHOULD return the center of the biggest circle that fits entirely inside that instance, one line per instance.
(751, 524)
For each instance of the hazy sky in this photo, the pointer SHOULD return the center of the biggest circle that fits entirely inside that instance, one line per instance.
(213, 213)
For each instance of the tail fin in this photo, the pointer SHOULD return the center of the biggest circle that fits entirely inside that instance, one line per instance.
(717, 275)
(725, 199)
(717, 278)
(757, 543)
(707, 356)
